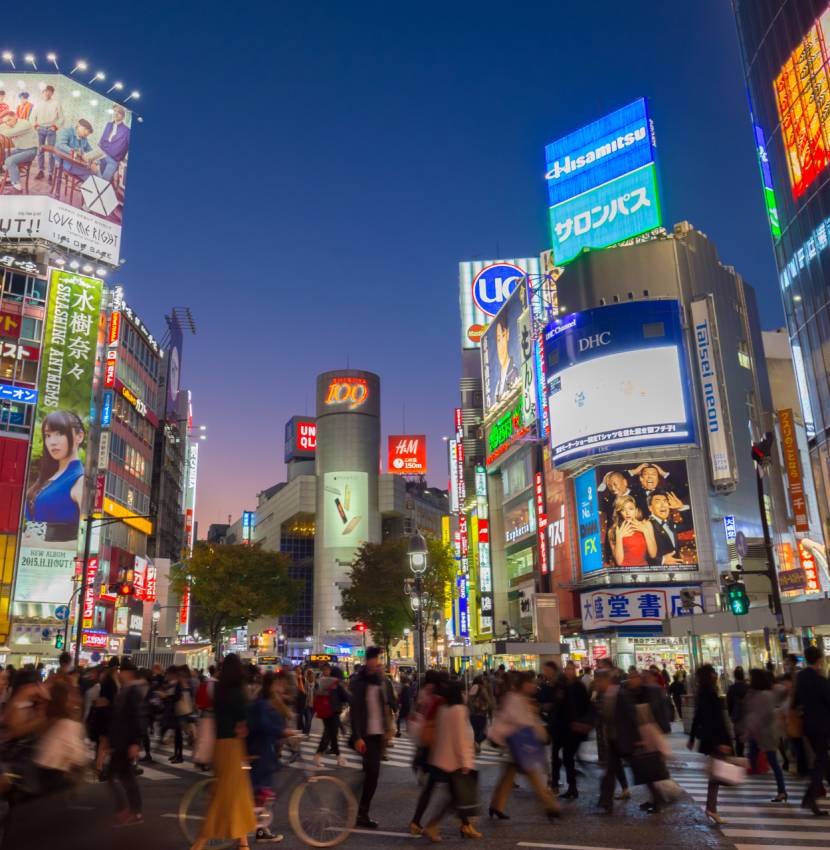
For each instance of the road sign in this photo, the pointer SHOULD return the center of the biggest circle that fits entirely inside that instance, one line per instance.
(62, 612)
(740, 544)
(45, 633)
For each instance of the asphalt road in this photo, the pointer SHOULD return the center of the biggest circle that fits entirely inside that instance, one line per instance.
(85, 822)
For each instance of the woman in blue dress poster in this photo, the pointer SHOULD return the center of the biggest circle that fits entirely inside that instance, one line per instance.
(56, 497)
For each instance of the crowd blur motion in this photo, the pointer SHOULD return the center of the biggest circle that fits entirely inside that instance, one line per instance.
(245, 724)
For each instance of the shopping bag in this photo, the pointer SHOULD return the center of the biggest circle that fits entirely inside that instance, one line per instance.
(648, 767)
(464, 791)
(205, 740)
(527, 750)
(727, 771)
(668, 790)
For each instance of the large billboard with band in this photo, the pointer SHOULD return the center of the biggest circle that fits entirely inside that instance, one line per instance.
(64, 150)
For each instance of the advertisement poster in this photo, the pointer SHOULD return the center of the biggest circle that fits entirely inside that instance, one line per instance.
(645, 516)
(55, 494)
(587, 513)
(69, 180)
(622, 367)
(346, 508)
(505, 346)
(558, 513)
(602, 609)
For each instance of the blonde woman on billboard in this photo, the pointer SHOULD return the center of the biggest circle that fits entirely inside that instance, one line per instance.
(631, 537)
(55, 499)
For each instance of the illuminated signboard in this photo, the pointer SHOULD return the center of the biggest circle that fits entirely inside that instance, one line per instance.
(505, 431)
(484, 286)
(485, 570)
(766, 181)
(300, 438)
(134, 400)
(114, 328)
(617, 379)
(89, 592)
(95, 640)
(348, 391)
(9, 324)
(24, 395)
(607, 148)
(587, 508)
(106, 410)
(248, 525)
(150, 584)
(407, 454)
(789, 448)
(140, 578)
(808, 564)
(614, 212)
(541, 521)
(802, 88)
(454, 500)
(110, 367)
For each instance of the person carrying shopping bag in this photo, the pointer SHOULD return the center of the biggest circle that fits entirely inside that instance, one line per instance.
(761, 727)
(518, 727)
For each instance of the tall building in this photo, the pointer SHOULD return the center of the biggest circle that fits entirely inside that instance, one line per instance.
(785, 46)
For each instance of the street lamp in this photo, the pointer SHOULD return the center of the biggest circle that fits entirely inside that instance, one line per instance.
(418, 559)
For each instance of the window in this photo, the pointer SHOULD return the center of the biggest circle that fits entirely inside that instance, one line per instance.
(16, 418)
(743, 354)
(516, 476)
(31, 328)
(14, 287)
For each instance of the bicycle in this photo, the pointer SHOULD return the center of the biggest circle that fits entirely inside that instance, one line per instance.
(322, 810)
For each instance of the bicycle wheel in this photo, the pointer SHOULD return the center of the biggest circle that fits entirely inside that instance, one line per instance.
(322, 811)
(192, 811)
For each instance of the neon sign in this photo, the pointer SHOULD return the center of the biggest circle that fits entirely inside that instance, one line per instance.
(347, 390)
(505, 431)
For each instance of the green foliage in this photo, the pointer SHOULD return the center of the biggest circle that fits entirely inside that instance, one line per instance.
(231, 585)
(376, 595)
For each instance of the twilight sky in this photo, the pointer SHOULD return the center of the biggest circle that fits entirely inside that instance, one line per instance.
(308, 176)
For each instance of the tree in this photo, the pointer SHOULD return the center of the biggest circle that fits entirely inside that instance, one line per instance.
(233, 584)
(376, 593)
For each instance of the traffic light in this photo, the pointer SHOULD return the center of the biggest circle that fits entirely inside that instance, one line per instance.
(737, 598)
(58, 641)
(762, 451)
(359, 627)
(125, 588)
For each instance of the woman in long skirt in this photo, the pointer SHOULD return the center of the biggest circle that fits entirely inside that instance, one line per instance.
(231, 811)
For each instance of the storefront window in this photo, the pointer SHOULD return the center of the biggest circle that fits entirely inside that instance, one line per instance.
(520, 564)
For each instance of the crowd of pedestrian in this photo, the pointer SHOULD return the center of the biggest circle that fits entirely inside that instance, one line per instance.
(100, 719)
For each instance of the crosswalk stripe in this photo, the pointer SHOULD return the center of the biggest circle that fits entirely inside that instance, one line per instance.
(773, 833)
(777, 846)
(813, 822)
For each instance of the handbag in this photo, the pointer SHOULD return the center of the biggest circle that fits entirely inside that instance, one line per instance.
(727, 771)
(648, 767)
(62, 746)
(205, 739)
(527, 751)
(795, 723)
(464, 792)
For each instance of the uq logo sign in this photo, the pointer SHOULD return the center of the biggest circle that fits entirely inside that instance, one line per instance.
(350, 392)
(494, 284)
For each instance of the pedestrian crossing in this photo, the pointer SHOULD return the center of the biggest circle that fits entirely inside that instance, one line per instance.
(753, 821)
(399, 755)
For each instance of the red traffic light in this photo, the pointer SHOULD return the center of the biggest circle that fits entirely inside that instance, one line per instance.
(125, 589)
(270, 631)
(359, 627)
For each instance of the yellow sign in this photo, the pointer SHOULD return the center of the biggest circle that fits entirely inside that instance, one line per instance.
(114, 509)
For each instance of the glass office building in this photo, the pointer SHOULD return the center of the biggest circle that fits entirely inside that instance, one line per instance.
(786, 56)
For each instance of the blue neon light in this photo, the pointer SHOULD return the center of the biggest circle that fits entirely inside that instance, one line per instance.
(601, 151)
(106, 409)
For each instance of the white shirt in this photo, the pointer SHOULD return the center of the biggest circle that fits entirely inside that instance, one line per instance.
(22, 134)
(374, 711)
(47, 113)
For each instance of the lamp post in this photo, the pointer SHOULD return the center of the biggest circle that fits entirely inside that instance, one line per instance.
(418, 560)
(154, 632)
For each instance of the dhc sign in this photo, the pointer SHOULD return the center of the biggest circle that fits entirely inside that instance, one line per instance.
(493, 285)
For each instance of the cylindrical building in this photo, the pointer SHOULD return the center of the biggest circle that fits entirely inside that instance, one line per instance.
(347, 467)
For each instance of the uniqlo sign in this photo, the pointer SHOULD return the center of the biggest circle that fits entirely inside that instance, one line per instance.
(407, 454)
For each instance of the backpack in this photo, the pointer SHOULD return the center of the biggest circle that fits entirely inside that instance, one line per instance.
(323, 706)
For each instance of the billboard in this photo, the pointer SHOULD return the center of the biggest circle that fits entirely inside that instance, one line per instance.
(174, 363)
(300, 438)
(558, 514)
(645, 516)
(67, 149)
(506, 346)
(55, 494)
(407, 454)
(348, 391)
(621, 209)
(484, 287)
(792, 465)
(587, 516)
(709, 370)
(601, 151)
(801, 90)
(622, 366)
(346, 508)
(646, 606)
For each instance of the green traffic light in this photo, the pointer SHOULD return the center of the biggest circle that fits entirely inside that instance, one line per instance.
(738, 599)
(59, 642)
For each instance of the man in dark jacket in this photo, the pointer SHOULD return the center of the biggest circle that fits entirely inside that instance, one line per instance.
(126, 733)
(368, 714)
(735, 696)
(812, 698)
